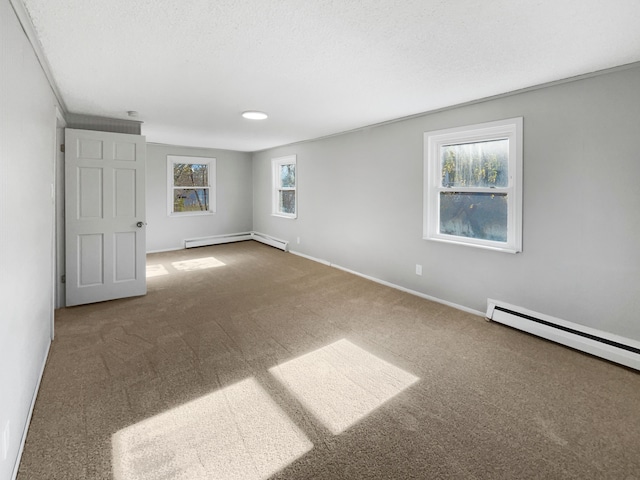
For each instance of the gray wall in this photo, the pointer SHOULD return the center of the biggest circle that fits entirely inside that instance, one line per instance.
(360, 205)
(234, 198)
(27, 134)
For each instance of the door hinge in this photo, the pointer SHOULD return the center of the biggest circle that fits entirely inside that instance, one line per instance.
(62, 148)
(63, 279)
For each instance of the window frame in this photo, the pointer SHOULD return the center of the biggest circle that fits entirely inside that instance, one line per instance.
(277, 187)
(211, 165)
(511, 129)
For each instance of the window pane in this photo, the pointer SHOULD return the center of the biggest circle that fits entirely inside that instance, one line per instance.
(288, 201)
(191, 200)
(190, 175)
(288, 175)
(474, 215)
(481, 164)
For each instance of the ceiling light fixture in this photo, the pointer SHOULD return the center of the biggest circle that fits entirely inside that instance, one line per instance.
(254, 115)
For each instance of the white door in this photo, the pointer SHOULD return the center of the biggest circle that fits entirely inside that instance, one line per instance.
(105, 216)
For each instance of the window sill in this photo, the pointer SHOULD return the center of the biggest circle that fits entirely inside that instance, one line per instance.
(190, 214)
(282, 215)
(495, 248)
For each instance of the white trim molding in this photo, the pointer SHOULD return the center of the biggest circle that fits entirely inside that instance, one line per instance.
(30, 414)
(391, 285)
(309, 257)
(284, 245)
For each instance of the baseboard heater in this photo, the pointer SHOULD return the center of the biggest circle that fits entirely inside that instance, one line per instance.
(269, 240)
(217, 239)
(237, 237)
(596, 342)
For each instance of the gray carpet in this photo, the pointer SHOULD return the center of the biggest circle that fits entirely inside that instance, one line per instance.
(244, 362)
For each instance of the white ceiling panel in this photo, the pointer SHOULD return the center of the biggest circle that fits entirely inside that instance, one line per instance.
(317, 67)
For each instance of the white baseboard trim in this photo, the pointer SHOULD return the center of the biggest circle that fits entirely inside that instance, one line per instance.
(412, 292)
(283, 245)
(28, 422)
(392, 285)
(309, 257)
(165, 250)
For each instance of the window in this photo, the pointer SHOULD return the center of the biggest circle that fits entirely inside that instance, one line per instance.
(284, 187)
(473, 185)
(191, 185)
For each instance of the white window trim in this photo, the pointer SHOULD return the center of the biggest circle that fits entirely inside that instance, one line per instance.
(275, 187)
(211, 162)
(509, 128)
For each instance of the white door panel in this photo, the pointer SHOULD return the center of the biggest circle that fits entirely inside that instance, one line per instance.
(105, 203)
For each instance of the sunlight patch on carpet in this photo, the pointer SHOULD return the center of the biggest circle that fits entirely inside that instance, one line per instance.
(234, 433)
(197, 264)
(342, 383)
(156, 270)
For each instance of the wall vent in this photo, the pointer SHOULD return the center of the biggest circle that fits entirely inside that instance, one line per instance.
(595, 342)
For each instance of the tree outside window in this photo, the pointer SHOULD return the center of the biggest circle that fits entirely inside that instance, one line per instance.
(191, 185)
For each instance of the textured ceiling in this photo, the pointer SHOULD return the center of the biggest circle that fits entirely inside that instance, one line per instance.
(318, 67)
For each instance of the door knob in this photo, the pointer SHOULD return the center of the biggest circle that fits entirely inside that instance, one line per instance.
(139, 224)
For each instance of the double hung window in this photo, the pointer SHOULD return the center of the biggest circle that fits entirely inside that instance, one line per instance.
(473, 185)
(285, 201)
(191, 185)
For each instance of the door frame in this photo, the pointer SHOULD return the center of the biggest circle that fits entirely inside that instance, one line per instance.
(57, 193)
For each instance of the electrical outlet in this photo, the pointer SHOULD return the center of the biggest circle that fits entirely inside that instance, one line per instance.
(5, 441)
(298, 239)
(418, 269)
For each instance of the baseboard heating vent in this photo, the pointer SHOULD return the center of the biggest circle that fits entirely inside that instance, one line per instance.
(269, 240)
(596, 342)
(217, 239)
(237, 237)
